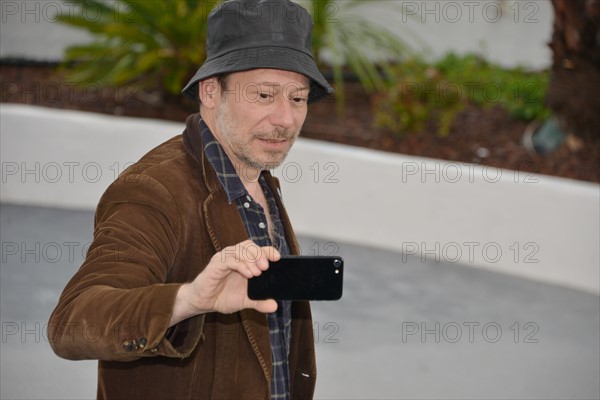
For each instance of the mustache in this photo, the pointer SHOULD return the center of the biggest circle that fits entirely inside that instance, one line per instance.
(278, 134)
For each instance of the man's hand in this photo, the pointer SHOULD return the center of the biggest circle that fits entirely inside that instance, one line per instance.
(223, 285)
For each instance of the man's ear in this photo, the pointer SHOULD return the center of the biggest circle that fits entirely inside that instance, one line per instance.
(209, 91)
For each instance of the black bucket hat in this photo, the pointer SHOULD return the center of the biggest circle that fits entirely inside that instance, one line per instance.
(250, 34)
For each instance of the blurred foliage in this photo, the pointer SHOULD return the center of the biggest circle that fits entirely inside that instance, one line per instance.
(345, 38)
(420, 92)
(158, 43)
(150, 42)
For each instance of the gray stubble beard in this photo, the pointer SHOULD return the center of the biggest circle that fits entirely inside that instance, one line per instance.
(243, 154)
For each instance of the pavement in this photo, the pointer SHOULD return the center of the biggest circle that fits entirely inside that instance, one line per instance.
(404, 329)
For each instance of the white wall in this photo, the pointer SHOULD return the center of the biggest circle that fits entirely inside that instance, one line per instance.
(533, 226)
(508, 32)
(530, 225)
(68, 158)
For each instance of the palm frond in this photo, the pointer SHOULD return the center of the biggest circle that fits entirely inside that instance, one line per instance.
(150, 42)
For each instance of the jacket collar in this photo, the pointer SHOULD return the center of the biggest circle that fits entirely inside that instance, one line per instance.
(216, 207)
(192, 141)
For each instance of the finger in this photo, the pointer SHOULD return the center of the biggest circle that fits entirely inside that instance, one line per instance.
(271, 253)
(246, 269)
(241, 258)
(254, 258)
(249, 252)
(263, 306)
(238, 252)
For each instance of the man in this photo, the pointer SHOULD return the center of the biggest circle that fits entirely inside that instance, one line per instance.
(161, 298)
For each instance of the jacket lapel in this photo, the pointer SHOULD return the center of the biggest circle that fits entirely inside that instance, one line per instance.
(226, 228)
(223, 220)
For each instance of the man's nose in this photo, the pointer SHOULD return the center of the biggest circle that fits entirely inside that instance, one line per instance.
(283, 114)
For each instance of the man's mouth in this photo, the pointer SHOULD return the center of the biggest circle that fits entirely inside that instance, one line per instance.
(273, 140)
(273, 143)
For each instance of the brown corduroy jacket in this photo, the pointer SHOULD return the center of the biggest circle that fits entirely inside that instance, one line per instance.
(156, 227)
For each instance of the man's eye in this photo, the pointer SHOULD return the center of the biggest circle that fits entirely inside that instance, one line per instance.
(299, 100)
(264, 96)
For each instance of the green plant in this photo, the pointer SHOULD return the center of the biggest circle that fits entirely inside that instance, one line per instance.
(161, 43)
(154, 43)
(420, 92)
(344, 37)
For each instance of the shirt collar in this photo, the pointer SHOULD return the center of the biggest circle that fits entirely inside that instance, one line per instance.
(218, 159)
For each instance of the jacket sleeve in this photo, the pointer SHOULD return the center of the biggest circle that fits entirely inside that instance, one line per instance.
(118, 305)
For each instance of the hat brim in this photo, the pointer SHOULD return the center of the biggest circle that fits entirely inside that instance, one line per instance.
(263, 57)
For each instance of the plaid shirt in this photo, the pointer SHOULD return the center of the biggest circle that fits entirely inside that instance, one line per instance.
(255, 222)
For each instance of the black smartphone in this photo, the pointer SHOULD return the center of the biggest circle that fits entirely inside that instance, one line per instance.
(300, 278)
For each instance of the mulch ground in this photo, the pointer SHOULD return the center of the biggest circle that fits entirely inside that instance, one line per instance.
(481, 136)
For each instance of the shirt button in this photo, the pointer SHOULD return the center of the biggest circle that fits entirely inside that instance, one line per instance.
(262, 225)
(247, 205)
(248, 197)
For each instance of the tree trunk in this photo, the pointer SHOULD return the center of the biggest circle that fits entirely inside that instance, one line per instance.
(575, 76)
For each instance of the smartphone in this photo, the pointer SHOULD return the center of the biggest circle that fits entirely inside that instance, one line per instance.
(300, 278)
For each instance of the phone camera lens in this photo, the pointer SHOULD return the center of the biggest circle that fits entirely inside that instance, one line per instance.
(337, 263)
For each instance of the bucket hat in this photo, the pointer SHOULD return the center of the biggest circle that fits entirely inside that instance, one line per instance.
(250, 34)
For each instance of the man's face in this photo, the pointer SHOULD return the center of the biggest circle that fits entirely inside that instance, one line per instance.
(260, 115)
